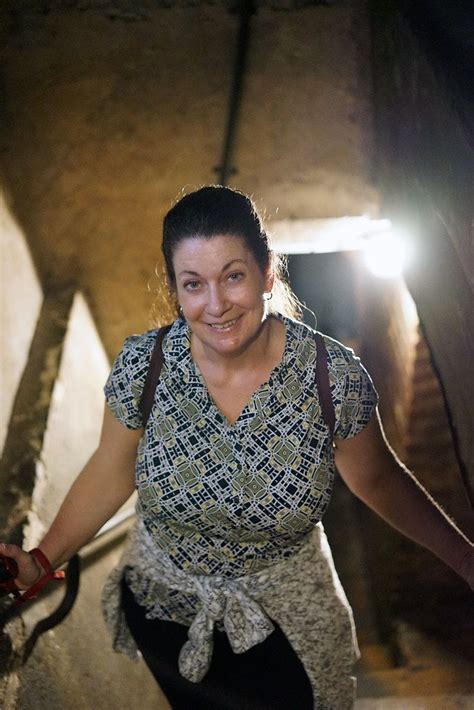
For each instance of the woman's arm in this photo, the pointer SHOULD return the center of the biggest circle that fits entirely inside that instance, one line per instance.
(374, 474)
(101, 488)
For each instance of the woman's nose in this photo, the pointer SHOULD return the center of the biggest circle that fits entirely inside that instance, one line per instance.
(216, 304)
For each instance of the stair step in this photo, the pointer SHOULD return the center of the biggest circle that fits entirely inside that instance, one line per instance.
(440, 441)
(433, 460)
(421, 681)
(423, 372)
(429, 424)
(426, 386)
(421, 348)
(430, 702)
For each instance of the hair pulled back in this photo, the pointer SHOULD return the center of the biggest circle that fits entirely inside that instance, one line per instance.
(217, 210)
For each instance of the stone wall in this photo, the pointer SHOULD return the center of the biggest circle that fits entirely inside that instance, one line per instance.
(111, 109)
(20, 304)
(426, 173)
(74, 419)
(389, 335)
(56, 402)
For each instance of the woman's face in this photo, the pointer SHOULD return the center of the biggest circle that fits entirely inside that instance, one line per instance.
(220, 289)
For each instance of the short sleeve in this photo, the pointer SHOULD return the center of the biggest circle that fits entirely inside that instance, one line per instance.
(124, 386)
(354, 395)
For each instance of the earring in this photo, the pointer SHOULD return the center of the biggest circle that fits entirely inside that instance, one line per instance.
(268, 296)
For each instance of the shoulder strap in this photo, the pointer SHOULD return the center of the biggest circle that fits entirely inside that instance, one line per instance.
(322, 383)
(153, 375)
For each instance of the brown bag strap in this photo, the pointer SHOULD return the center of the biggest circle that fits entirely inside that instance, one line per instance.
(153, 375)
(322, 383)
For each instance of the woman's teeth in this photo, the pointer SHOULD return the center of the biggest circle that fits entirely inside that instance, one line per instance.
(223, 326)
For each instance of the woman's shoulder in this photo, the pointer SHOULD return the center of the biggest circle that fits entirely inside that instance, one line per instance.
(136, 350)
(141, 344)
(303, 333)
(141, 341)
(338, 351)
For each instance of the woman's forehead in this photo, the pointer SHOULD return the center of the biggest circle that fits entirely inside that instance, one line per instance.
(219, 248)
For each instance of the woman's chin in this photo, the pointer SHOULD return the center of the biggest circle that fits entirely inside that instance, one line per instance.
(225, 343)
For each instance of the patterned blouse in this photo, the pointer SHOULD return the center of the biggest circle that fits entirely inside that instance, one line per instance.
(230, 500)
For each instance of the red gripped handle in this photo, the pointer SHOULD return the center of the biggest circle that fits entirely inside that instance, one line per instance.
(49, 574)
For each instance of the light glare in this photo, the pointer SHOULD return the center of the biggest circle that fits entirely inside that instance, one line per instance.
(386, 254)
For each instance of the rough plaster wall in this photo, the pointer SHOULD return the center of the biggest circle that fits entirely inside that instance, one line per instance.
(426, 166)
(20, 303)
(74, 419)
(304, 143)
(389, 323)
(107, 119)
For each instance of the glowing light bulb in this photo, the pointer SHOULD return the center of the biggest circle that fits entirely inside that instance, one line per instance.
(386, 254)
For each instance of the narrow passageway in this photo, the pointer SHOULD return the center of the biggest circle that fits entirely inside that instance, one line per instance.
(415, 620)
(345, 120)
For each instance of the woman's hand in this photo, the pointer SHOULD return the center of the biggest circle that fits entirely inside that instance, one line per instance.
(29, 569)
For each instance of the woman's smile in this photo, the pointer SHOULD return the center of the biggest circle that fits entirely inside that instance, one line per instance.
(224, 327)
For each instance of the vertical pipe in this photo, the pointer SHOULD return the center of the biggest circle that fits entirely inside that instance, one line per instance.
(225, 169)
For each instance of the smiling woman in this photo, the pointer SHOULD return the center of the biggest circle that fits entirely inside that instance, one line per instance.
(234, 471)
(216, 211)
(223, 302)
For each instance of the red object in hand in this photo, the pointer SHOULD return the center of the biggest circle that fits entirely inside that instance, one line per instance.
(49, 574)
(9, 572)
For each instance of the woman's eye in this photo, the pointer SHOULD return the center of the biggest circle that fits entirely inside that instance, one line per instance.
(191, 285)
(235, 276)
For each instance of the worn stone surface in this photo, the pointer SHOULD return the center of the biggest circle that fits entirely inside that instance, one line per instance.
(74, 418)
(20, 304)
(425, 165)
(61, 435)
(28, 422)
(106, 120)
(74, 667)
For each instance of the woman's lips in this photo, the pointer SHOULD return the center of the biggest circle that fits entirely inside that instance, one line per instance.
(223, 327)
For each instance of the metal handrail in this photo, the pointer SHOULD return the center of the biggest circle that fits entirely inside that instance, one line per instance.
(115, 528)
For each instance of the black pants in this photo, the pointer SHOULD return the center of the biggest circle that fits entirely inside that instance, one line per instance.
(269, 676)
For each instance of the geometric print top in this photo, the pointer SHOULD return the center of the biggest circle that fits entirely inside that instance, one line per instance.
(231, 499)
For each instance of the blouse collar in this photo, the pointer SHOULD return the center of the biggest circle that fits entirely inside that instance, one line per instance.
(177, 344)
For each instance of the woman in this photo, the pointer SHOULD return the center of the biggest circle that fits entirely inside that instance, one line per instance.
(234, 471)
